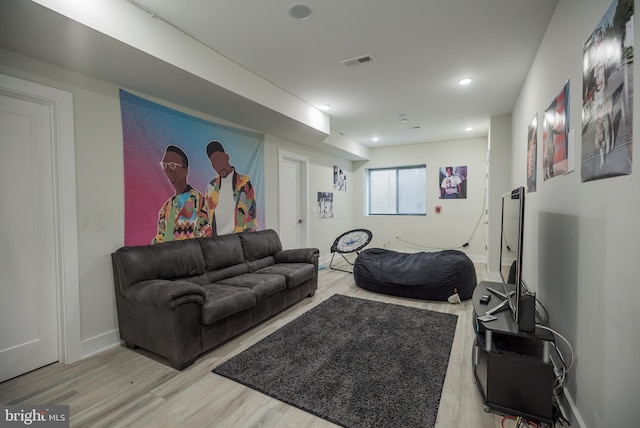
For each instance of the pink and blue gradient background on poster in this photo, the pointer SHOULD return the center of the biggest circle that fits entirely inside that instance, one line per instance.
(148, 128)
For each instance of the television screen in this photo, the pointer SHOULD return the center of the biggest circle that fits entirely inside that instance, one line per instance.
(511, 236)
(511, 247)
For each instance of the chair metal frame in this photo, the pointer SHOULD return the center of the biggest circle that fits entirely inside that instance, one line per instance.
(350, 242)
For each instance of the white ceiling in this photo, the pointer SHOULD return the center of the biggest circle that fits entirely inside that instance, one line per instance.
(420, 48)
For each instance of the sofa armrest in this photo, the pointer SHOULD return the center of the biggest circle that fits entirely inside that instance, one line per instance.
(164, 294)
(297, 255)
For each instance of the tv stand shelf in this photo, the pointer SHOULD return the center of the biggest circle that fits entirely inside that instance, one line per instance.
(512, 369)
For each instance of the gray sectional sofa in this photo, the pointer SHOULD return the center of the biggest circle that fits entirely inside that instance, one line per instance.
(179, 299)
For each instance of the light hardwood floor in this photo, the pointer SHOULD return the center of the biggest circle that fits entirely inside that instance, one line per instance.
(125, 388)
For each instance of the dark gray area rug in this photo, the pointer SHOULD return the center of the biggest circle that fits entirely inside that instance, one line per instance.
(354, 362)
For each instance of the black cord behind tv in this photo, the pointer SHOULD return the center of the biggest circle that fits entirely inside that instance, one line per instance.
(511, 245)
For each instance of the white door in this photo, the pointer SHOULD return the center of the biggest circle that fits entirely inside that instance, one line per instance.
(28, 296)
(290, 220)
(293, 197)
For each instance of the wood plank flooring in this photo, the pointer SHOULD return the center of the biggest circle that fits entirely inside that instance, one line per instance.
(125, 388)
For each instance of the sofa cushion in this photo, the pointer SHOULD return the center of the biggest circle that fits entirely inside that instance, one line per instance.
(224, 300)
(297, 255)
(201, 279)
(168, 260)
(260, 263)
(294, 273)
(221, 251)
(264, 285)
(224, 273)
(260, 244)
(162, 293)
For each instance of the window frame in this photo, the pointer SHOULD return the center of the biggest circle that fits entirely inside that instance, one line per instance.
(397, 170)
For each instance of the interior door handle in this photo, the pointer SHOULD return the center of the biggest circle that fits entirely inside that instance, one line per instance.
(300, 221)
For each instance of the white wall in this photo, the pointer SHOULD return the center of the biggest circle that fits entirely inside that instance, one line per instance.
(100, 187)
(100, 190)
(454, 226)
(322, 231)
(582, 240)
(499, 182)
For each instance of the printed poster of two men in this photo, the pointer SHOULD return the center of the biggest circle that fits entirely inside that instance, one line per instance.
(186, 177)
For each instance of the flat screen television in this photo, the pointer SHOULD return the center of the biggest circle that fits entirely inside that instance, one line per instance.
(511, 254)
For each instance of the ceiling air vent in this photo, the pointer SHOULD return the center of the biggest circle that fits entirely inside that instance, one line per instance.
(363, 59)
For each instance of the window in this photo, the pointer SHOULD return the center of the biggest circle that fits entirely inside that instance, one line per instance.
(397, 191)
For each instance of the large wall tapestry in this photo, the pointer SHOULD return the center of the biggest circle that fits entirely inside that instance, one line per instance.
(555, 145)
(185, 177)
(607, 105)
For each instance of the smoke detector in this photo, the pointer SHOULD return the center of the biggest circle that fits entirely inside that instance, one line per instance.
(362, 59)
(299, 11)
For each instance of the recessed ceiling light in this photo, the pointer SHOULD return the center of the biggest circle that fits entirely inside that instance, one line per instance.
(465, 81)
(375, 139)
(468, 128)
(299, 11)
(325, 106)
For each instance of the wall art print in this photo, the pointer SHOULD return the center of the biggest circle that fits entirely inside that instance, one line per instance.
(532, 154)
(453, 182)
(325, 205)
(339, 179)
(607, 90)
(185, 177)
(555, 149)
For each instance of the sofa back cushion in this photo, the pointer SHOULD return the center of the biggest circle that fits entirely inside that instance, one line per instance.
(260, 263)
(224, 273)
(168, 260)
(221, 251)
(261, 244)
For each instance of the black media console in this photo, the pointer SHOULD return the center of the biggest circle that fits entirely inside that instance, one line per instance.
(513, 369)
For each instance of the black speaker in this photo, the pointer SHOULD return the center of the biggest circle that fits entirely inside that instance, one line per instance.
(527, 313)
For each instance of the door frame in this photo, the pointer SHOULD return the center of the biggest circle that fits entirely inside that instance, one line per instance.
(60, 104)
(303, 161)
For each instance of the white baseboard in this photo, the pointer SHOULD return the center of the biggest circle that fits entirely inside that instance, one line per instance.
(477, 258)
(494, 277)
(324, 260)
(100, 343)
(575, 417)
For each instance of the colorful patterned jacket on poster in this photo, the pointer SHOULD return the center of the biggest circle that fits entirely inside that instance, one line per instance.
(183, 217)
(244, 196)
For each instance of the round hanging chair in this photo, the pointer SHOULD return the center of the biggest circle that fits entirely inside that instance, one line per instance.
(350, 242)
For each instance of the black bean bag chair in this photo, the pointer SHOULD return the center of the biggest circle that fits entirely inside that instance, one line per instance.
(427, 276)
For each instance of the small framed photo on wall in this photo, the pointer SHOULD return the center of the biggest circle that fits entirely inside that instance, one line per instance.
(325, 204)
(453, 182)
(339, 180)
